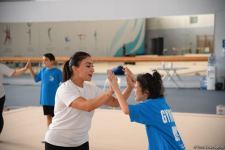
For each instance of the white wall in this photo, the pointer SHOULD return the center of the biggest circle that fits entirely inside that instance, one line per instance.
(66, 10)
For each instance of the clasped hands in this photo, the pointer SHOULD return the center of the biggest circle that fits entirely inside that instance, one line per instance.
(130, 78)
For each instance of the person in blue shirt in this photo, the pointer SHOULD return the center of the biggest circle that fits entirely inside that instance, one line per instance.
(50, 78)
(152, 111)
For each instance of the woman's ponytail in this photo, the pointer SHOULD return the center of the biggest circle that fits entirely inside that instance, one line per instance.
(67, 72)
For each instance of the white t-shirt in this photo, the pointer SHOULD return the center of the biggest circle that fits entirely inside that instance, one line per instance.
(4, 70)
(70, 126)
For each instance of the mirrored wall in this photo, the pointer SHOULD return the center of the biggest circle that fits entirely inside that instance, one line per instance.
(178, 35)
(170, 35)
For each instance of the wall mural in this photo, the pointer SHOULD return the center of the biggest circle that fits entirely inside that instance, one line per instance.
(134, 31)
(99, 38)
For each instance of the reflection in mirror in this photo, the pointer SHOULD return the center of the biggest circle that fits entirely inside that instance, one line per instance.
(178, 35)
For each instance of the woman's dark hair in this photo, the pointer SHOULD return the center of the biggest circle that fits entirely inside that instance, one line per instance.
(73, 61)
(50, 56)
(151, 83)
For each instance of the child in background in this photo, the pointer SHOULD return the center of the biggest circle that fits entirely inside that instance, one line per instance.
(50, 78)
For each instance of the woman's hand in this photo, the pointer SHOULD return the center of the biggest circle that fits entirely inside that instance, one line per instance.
(112, 80)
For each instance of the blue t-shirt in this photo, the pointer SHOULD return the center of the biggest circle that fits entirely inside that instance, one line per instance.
(50, 80)
(161, 129)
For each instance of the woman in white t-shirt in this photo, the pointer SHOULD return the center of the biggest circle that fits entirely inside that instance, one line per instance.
(75, 101)
(6, 71)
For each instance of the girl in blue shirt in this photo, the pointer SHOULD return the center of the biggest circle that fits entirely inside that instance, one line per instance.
(152, 111)
(50, 78)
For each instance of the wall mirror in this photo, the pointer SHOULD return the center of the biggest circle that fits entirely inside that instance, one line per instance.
(179, 35)
(170, 35)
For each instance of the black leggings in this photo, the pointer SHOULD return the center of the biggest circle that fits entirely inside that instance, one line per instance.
(84, 146)
(2, 102)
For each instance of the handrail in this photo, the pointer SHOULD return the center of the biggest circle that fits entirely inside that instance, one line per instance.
(115, 59)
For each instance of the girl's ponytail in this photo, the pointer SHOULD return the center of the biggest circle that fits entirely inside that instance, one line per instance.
(151, 83)
(159, 83)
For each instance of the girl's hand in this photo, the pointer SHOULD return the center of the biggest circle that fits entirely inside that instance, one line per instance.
(129, 77)
(130, 82)
(129, 74)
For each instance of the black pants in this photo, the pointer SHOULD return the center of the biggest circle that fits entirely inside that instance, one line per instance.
(84, 146)
(2, 102)
(48, 110)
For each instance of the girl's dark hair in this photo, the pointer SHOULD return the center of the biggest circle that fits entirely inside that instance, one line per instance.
(151, 83)
(73, 61)
(50, 56)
